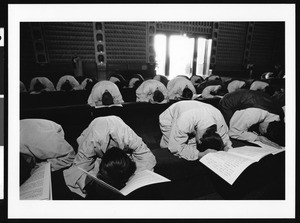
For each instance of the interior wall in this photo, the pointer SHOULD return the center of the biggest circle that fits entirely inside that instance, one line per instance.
(126, 44)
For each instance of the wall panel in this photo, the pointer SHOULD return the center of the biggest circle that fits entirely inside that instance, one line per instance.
(64, 39)
(263, 43)
(231, 44)
(126, 42)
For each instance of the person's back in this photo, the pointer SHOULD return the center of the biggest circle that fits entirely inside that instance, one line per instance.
(258, 85)
(43, 84)
(102, 134)
(95, 97)
(243, 98)
(135, 81)
(211, 91)
(151, 91)
(235, 85)
(176, 86)
(67, 83)
(179, 122)
(43, 140)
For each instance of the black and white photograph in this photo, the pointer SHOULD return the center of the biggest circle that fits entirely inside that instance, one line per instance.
(170, 110)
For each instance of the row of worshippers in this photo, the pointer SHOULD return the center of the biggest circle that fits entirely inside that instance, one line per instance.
(110, 150)
(156, 90)
(161, 90)
(69, 83)
(65, 83)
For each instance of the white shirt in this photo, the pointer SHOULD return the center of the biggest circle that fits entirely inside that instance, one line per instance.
(206, 93)
(132, 82)
(100, 88)
(74, 83)
(213, 77)
(177, 85)
(258, 85)
(242, 120)
(45, 81)
(181, 118)
(44, 139)
(194, 78)
(144, 93)
(114, 79)
(235, 85)
(102, 134)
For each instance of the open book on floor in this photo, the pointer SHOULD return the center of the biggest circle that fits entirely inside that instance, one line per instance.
(38, 186)
(229, 165)
(138, 180)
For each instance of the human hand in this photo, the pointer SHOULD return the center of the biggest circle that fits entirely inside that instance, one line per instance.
(226, 148)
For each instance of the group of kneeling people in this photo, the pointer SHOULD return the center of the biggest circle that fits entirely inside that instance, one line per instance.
(156, 90)
(109, 149)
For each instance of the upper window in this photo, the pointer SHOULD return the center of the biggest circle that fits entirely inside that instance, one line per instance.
(181, 55)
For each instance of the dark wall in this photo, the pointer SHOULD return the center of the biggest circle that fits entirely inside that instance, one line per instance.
(126, 45)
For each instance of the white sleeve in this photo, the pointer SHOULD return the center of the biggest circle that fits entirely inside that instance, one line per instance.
(241, 121)
(178, 143)
(222, 130)
(141, 95)
(59, 83)
(116, 94)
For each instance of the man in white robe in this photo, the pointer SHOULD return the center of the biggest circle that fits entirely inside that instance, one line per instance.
(183, 125)
(235, 85)
(258, 85)
(95, 98)
(144, 93)
(242, 120)
(43, 140)
(67, 78)
(244, 110)
(176, 86)
(48, 85)
(102, 134)
(211, 91)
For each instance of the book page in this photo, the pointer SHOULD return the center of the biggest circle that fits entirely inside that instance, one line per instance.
(250, 152)
(139, 179)
(226, 165)
(37, 186)
(142, 178)
(271, 149)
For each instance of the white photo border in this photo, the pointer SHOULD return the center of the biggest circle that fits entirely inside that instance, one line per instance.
(147, 12)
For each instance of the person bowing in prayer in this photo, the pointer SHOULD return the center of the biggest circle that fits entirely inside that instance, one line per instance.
(103, 134)
(253, 116)
(191, 129)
